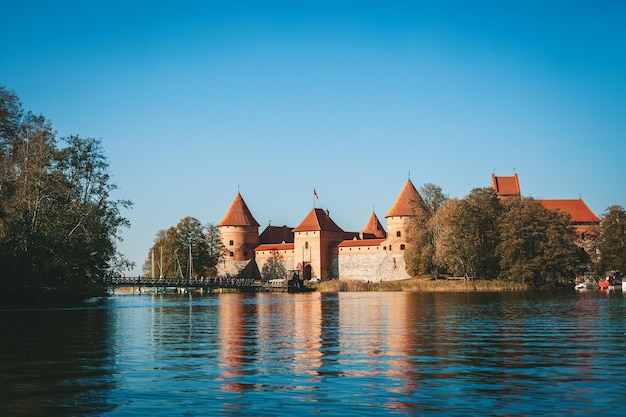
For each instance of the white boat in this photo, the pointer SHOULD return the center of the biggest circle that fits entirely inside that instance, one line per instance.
(586, 283)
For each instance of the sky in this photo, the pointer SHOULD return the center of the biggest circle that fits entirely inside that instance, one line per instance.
(195, 101)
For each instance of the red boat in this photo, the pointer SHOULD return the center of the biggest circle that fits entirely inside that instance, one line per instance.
(613, 279)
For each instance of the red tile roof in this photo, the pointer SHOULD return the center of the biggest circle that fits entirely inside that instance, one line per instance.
(238, 214)
(406, 201)
(506, 186)
(374, 227)
(577, 209)
(318, 219)
(365, 242)
(275, 246)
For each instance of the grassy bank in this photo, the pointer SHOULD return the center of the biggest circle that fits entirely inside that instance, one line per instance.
(419, 284)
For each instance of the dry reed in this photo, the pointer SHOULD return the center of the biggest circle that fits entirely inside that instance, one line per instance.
(420, 284)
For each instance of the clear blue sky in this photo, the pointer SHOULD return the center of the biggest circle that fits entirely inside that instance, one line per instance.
(195, 99)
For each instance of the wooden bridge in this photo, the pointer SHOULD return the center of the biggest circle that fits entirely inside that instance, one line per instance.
(185, 284)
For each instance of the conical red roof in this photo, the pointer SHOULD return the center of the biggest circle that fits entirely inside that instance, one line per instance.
(374, 227)
(238, 214)
(406, 201)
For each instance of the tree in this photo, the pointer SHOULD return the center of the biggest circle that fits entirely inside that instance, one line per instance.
(471, 234)
(537, 246)
(613, 239)
(421, 255)
(58, 224)
(448, 248)
(215, 249)
(172, 247)
(274, 267)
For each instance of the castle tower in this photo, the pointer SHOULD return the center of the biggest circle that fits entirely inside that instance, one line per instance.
(239, 232)
(406, 206)
(315, 245)
(374, 229)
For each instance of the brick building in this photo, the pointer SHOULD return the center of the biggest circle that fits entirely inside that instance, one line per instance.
(318, 247)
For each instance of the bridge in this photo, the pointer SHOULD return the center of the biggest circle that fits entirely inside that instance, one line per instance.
(185, 284)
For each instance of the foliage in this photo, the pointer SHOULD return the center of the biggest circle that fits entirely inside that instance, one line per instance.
(423, 233)
(537, 245)
(172, 247)
(613, 239)
(470, 235)
(58, 223)
(274, 267)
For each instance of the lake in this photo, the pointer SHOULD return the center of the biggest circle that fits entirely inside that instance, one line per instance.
(274, 354)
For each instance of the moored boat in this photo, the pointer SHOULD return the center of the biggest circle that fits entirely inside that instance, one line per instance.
(612, 281)
(586, 282)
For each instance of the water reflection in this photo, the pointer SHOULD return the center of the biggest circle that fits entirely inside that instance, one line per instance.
(55, 361)
(306, 354)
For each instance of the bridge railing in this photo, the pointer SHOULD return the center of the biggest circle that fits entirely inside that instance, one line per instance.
(231, 282)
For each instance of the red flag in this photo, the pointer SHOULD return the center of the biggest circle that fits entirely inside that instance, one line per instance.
(315, 194)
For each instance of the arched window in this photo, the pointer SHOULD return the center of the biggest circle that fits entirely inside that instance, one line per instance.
(231, 243)
(402, 247)
(232, 254)
(398, 233)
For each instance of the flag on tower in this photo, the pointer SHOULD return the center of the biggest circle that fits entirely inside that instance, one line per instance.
(315, 194)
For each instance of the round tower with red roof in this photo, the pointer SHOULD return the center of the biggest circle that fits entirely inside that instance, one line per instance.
(240, 235)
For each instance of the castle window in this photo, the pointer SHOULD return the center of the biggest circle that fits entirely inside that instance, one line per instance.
(232, 254)
(306, 245)
(402, 247)
(398, 233)
(389, 248)
(231, 243)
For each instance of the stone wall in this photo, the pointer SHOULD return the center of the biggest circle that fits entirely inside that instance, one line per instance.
(286, 257)
(230, 267)
(373, 267)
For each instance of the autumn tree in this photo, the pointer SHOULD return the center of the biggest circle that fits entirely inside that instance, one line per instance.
(421, 255)
(471, 234)
(274, 267)
(448, 248)
(613, 239)
(172, 248)
(537, 246)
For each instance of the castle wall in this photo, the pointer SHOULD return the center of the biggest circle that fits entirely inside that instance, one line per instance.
(375, 266)
(286, 255)
(231, 267)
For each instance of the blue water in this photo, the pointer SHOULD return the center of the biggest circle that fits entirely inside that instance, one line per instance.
(457, 354)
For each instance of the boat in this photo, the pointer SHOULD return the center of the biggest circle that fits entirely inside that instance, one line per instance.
(586, 282)
(612, 280)
(295, 284)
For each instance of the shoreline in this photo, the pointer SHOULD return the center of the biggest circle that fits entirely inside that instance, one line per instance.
(421, 285)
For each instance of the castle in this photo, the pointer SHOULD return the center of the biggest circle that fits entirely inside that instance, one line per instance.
(585, 222)
(319, 249)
